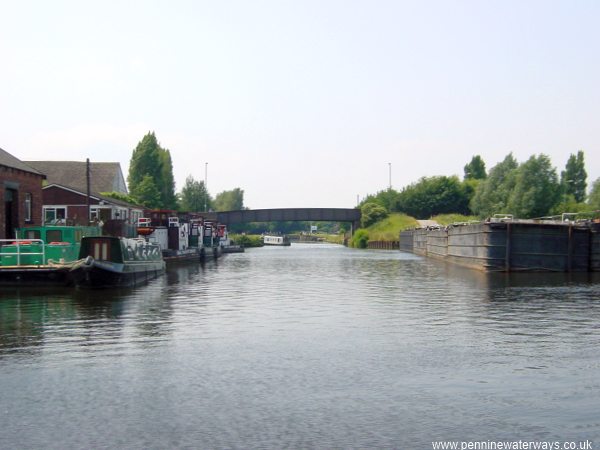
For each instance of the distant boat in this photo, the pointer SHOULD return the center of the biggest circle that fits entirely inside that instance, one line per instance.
(42, 255)
(110, 262)
(281, 240)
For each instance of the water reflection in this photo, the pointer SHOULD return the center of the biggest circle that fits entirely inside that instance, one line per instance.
(309, 346)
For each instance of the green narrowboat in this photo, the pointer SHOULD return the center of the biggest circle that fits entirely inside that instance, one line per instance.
(41, 255)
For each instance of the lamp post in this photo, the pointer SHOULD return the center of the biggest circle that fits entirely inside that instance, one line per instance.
(206, 187)
(390, 170)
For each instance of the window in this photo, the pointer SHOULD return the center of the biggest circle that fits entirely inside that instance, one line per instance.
(100, 213)
(55, 215)
(54, 236)
(28, 207)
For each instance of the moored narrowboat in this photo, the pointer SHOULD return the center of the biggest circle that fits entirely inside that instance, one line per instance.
(110, 262)
(178, 241)
(41, 255)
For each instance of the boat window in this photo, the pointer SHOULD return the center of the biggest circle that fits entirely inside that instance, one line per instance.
(54, 236)
(100, 250)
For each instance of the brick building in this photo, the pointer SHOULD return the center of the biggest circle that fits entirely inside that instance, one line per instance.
(21, 193)
(65, 193)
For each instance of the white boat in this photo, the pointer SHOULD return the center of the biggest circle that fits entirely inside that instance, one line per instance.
(281, 240)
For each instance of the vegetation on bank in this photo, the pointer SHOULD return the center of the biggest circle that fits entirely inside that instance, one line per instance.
(334, 238)
(531, 189)
(386, 229)
(389, 228)
(246, 240)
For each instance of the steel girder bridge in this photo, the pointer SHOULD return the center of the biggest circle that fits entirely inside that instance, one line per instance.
(289, 215)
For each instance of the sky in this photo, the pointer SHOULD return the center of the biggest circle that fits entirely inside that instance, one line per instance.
(302, 103)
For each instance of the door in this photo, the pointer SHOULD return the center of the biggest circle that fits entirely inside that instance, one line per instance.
(11, 213)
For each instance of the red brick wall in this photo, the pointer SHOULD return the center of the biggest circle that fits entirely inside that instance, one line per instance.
(58, 196)
(27, 182)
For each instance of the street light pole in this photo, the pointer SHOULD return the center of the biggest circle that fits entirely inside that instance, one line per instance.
(390, 167)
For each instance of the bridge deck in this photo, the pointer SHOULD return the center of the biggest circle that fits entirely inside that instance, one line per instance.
(290, 214)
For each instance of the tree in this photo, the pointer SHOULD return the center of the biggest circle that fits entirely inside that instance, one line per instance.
(475, 170)
(147, 193)
(491, 195)
(167, 188)
(434, 195)
(194, 196)
(150, 159)
(372, 212)
(537, 190)
(120, 196)
(229, 200)
(594, 198)
(574, 178)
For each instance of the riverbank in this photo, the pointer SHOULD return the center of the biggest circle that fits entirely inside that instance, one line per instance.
(385, 234)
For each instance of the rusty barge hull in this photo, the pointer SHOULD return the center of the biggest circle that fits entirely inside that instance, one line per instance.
(511, 246)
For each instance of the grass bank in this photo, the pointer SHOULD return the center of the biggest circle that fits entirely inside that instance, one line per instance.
(389, 228)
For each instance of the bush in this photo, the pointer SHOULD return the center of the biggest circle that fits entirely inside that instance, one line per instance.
(371, 213)
(360, 238)
(247, 240)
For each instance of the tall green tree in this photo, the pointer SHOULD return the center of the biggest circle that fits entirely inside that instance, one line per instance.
(147, 193)
(229, 200)
(492, 194)
(594, 197)
(574, 178)
(167, 187)
(475, 170)
(149, 159)
(194, 196)
(537, 190)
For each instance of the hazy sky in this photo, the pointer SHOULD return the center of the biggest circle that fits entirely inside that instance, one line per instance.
(302, 103)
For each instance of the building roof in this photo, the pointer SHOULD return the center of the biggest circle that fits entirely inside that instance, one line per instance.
(8, 160)
(96, 196)
(104, 176)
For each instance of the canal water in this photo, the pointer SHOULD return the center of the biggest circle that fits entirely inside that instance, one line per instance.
(309, 346)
